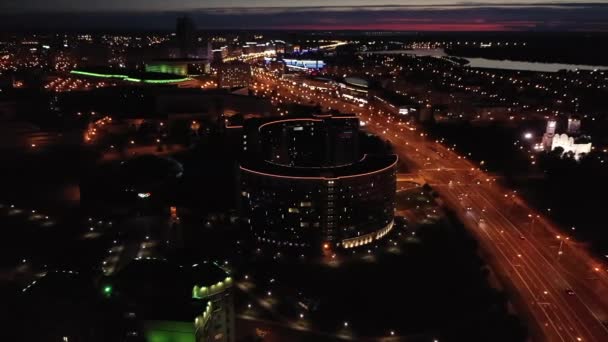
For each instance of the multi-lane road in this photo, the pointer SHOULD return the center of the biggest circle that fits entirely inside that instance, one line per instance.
(555, 283)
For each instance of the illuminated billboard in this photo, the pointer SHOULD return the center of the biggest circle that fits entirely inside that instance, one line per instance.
(304, 64)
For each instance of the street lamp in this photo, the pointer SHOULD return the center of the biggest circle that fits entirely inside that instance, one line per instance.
(533, 220)
(516, 260)
(561, 243)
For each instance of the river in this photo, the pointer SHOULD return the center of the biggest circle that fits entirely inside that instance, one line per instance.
(495, 63)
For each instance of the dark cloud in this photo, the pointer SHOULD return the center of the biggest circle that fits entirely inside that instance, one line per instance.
(515, 17)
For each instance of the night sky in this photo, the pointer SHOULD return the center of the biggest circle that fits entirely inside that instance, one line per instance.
(401, 15)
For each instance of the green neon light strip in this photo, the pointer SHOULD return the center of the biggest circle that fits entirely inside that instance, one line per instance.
(127, 78)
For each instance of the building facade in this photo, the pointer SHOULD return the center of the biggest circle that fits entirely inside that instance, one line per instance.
(234, 75)
(574, 125)
(307, 186)
(549, 134)
(185, 32)
(217, 322)
(579, 146)
(174, 302)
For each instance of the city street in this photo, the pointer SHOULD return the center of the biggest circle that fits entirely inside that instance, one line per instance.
(267, 170)
(557, 284)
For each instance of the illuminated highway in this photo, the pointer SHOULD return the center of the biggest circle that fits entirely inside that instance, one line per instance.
(556, 285)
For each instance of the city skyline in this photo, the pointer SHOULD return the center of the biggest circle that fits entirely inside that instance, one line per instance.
(338, 170)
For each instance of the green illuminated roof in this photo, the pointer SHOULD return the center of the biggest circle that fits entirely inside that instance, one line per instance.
(152, 78)
(169, 331)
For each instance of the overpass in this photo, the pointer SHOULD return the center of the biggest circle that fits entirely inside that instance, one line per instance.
(410, 178)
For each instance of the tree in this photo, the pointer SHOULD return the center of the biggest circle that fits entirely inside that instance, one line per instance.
(557, 151)
(568, 155)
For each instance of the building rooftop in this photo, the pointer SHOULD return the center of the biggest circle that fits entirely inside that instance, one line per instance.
(298, 112)
(61, 285)
(368, 164)
(63, 303)
(397, 99)
(148, 169)
(356, 81)
(129, 75)
(160, 278)
(178, 60)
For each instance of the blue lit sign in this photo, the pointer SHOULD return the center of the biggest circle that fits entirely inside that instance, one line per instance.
(302, 63)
